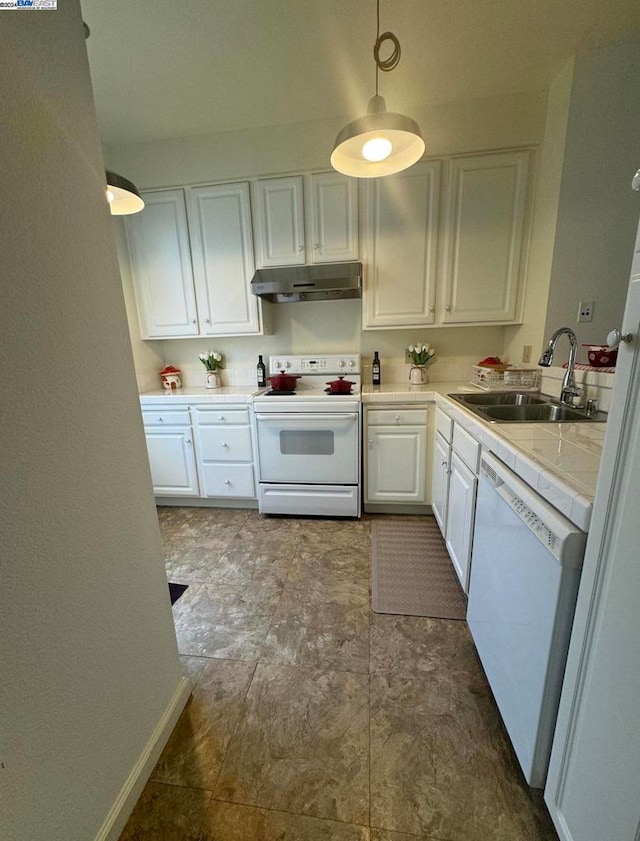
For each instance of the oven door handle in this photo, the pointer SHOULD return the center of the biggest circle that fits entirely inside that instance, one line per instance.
(297, 416)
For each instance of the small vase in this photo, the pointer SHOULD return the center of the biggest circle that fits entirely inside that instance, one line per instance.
(418, 375)
(213, 379)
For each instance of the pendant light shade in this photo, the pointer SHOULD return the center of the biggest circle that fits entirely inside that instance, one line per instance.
(381, 142)
(122, 195)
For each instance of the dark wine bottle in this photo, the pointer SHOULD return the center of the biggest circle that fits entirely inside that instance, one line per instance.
(262, 374)
(376, 377)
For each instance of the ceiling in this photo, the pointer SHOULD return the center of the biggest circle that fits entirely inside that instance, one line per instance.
(162, 68)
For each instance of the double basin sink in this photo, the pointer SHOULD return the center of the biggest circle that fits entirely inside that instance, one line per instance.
(515, 407)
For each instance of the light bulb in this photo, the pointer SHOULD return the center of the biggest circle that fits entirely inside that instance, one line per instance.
(377, 149)
(110, 196)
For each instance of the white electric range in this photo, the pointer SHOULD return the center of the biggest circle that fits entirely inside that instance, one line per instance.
(309, 440)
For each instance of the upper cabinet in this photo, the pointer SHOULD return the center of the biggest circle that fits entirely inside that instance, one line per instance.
(332, 218)
(400, 249)
(161, 266)
(192, 262)
(459, 259)
(280, 222)
(220, 225)
(484, 223)
(310, 219)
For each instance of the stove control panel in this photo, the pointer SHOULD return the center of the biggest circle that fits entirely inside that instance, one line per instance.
(334, 363)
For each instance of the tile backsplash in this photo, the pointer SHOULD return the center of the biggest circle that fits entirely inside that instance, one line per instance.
(595, 385)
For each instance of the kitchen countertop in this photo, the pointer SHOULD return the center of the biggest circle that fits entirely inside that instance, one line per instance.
(558, 460)
(185, 396)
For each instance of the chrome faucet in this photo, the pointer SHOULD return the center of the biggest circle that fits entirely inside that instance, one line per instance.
(570, 388)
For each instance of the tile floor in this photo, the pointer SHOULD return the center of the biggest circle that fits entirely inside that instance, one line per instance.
(312, 717)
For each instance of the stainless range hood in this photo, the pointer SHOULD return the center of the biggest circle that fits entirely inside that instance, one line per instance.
(326, 282)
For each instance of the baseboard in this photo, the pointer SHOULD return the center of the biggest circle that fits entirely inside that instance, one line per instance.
(206, 502)
(119, 813)
(396, 508)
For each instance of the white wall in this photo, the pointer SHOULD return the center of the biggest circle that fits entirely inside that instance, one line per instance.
(598, 212)
(87, 646)
(543, 232)
(450, 128)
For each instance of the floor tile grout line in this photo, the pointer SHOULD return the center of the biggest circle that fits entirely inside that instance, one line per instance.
(283, 811)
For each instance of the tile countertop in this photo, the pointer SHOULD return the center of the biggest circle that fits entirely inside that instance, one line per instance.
(559, 460)
(185, 396)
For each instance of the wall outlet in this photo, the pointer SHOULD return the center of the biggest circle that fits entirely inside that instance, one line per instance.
(585, 311)
(526, 353)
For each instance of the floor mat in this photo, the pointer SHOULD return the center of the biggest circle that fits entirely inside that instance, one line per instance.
(176, 590)
(411, 572)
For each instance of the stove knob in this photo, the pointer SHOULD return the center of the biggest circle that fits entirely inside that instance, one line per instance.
(351, 363)
(340, 363)
(286, 365)
(277, 365)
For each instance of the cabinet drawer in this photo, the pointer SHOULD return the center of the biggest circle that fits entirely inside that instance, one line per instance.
(224, 443)
(174, 417)
(220, 416)
(467, 447)
(391, 417)
(444, 425)
(227, 480)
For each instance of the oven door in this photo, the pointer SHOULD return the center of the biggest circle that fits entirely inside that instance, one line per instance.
(309, 448)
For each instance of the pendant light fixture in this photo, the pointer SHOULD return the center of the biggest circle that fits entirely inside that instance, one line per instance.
(381, 142)
(122, 195)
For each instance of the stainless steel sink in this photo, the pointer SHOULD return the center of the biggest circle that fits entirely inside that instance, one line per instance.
(509, 398)
(514, 407)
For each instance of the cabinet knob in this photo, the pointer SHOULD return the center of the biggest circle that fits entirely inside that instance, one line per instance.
(207, 321)
(444, 463)
(316, 245)
(300, 247)
(397, 418)
(432, 308)
(220, 417)
(193, 321)
(160, 420)
(448, 308)
(187, 440)
(224, 444)
(227, 482)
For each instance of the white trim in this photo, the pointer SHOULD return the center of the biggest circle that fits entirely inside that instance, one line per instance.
(121, 809)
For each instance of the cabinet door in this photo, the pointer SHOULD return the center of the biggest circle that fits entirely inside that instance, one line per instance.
(460, 517)
(440, 483)
(220, 225)
(172, 461)
(161, 266)
(401, 248)
(396, 464)
(280, 218)
(333, 213)
(484, 230)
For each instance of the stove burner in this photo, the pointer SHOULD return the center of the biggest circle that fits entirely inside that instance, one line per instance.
(338, 393)
(281, 392)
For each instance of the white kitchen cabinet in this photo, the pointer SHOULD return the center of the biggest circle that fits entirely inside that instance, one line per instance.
(460, 517)
(225, 451)
(395, 465)
(484, 238)
(332, 216)
(400, 254)
(172, 460)
(222, 248)
(440, 481)
(279, 218)
(161, 266)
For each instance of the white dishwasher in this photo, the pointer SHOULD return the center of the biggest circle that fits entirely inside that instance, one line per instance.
(525, 572)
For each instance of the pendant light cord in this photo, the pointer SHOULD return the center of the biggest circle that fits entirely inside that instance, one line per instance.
(391, 62)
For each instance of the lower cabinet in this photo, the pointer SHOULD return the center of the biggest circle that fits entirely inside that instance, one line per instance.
(461, 506)
(172, 461)
(200, 451)
(224, 451)
(456, 460)
(395, 464)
